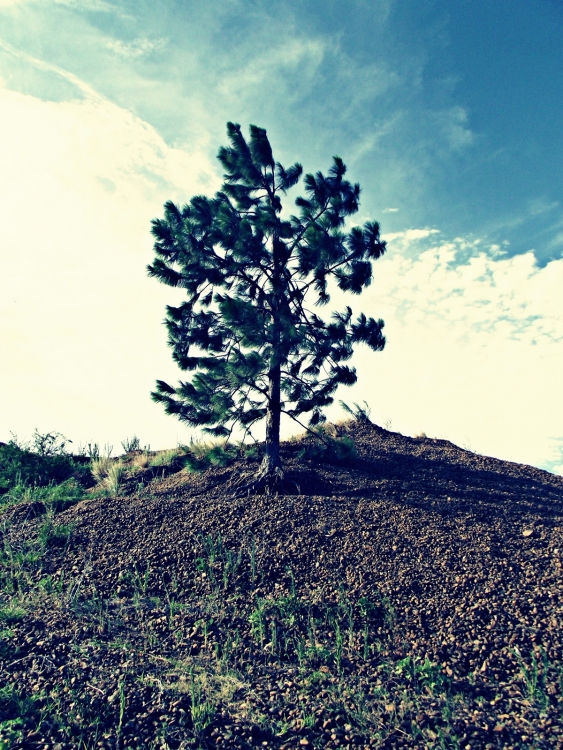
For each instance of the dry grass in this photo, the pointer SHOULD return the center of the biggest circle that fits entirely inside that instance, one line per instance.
(141, 461)
(100, 468)
(112, 481)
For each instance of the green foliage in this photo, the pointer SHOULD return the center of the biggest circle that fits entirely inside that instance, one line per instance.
(21, 466)
(328, 449)
(201, 455)
(131, 444)
(166, 457)
(248, 333)
(359, 413)
(100, 467)
(54, 496)
(114, 478)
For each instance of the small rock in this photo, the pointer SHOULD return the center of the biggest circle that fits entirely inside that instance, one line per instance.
(527, 532)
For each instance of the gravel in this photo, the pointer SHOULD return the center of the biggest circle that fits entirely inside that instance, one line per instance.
(410, 598)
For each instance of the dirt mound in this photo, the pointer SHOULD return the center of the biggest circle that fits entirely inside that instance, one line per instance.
(442, 567)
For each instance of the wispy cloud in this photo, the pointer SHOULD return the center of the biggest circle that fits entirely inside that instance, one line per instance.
(97, 6)
(136, 48)
(50, 68)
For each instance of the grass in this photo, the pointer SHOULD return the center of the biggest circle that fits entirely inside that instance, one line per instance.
(201, 454)
(100, 467)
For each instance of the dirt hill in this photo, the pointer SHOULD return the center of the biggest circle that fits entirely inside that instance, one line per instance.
(410, 598)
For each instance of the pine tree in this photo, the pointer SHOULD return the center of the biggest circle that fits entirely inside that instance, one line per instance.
(248, 334)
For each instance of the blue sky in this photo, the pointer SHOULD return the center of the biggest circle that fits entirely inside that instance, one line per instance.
(448, 114)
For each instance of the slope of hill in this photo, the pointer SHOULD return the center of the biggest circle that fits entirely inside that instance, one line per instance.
(410, 598)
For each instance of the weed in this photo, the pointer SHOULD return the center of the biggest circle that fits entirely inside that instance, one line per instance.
(100, 468)
(359, 413)
(329, 450)
(11, 613)
(339, 642)
(202, 711)
(112, 482)
(258, 622)
(165, 458)
(21, 466)
(140, 461)
(51, 534)
(201, 455)
(122, 703)
(131, 444)
(534, 677)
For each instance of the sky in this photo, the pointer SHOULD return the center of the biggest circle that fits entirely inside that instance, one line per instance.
(449, 115)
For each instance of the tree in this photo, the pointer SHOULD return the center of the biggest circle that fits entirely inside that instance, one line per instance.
(247, 332)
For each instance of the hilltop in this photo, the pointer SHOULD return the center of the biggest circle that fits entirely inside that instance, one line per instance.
(406, 597)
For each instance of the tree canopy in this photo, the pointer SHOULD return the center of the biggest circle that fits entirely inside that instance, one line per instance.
(250, 332)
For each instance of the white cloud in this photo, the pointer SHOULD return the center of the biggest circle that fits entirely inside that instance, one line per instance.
(136, 48)
(46, 67)
(82, 339)
(474, 347)
(97, 6)
(307, 54)
(390, 210)
(410, 235)
(454, 125)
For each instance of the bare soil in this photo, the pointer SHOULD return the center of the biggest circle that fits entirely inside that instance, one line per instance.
(411, 598)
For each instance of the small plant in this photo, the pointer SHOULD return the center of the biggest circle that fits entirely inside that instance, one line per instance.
(131, 444)
(359, 413)
(49, 444)
(258, 622)
(201, 455)
(112, 482)
(100, 467)
(165, 458)
(534, 677)
(141, 461)
(329, 450)
(51, 534)
(122, 704)
(339, 642)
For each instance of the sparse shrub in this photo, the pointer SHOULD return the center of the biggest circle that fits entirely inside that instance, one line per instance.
(360, 413)
(201, 455)
(421, 436)
(92, 450)
(140, 461)
(19, 465)
(165, 458)
(112, 481)
(251, 451)
(49, 444)
(131, 444)
(55, 496)
(53, 534)
(100, 468)
(334, 450)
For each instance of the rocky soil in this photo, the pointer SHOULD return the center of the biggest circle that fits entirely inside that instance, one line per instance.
(410, 598)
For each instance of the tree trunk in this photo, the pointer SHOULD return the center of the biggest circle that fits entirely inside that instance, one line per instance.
(271, 463)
